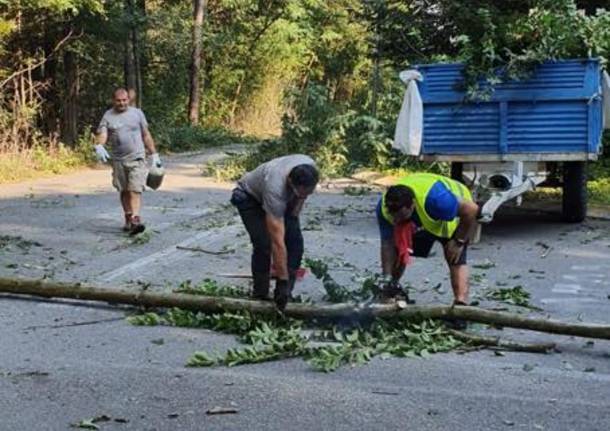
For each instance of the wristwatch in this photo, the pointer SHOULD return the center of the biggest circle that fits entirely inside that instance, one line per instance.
(461, 242)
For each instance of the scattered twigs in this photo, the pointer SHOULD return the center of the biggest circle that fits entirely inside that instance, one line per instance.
(203, 250)
(480, 340)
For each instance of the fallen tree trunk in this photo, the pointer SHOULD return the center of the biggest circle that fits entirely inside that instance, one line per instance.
(346, 311)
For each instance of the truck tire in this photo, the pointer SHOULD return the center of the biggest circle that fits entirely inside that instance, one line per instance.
(574, 200)
(457, 171)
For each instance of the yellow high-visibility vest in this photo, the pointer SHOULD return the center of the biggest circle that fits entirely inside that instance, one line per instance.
(421, 184)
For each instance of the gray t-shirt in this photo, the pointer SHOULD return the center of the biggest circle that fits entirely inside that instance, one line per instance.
(267, 183)
(124, 131)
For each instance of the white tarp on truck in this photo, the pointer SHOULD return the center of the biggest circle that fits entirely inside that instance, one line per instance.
(410, 124)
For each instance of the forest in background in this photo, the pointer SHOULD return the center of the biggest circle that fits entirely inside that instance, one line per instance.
(312, 76)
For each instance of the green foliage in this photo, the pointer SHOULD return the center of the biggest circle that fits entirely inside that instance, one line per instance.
(209, 287)
(141, 238)
(273, 337)
(339, 140)
(270, 339)
(334, 291)
(503, 42)
(145, 319)
(43, 160)
(189, 138)
(315, 77)
(516, 295)
(266, 342)
(599, 190)
(386, 339)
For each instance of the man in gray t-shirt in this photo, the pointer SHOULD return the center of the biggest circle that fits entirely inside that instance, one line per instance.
(125, 129)
(269, 200)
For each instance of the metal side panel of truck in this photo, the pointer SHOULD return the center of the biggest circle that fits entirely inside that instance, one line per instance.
(537, 131)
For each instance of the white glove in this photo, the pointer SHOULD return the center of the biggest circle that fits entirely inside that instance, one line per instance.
(156, 160)
(101, 153)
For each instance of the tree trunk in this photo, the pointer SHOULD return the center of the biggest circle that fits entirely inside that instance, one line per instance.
(139, 43)
(69, 130)
(210, 304)
(137, 66)
(129, 66)
(130, 63)
(236, 99)
(195, 72)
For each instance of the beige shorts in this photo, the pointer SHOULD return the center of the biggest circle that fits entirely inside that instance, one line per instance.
(129, 175)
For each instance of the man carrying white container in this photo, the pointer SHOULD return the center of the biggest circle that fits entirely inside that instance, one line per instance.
(126, 129)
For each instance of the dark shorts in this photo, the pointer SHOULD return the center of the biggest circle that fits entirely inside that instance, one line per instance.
(422, 240)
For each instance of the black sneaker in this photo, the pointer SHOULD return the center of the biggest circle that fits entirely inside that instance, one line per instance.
(136, 226)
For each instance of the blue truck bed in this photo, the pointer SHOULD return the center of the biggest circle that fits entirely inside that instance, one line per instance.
(555, 115)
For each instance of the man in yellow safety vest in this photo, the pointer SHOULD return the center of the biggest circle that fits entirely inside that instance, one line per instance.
(414, 213)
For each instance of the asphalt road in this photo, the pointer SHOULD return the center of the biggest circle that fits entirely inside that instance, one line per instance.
(63, 362)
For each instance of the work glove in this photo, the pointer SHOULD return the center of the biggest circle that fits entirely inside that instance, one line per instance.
(281, 294)
(156, 160)
(101, 153)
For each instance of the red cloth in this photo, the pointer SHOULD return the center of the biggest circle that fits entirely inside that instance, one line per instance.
(403, 240)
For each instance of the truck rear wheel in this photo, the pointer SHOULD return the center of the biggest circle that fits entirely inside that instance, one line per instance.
(457, 171)
(574, 200)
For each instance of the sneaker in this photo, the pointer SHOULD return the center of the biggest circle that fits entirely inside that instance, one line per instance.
(127, 225)
(136, 226)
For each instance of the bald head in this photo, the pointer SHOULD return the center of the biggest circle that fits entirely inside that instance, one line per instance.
(120, 99)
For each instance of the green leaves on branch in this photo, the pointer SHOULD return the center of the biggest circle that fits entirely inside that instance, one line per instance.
(234, 323)
(501, 43)
(273, 338)
(334, 291)
(209, 287)
(516, 295)
(385, 339)
(266, 342)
